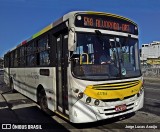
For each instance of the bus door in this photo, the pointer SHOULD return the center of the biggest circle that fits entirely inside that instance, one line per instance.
(61, 73)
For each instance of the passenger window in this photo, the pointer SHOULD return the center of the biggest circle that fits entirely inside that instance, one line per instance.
(43, 52)
(31, 54)
(44, 58)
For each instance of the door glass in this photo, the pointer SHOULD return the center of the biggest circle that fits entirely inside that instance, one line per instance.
(59, 70)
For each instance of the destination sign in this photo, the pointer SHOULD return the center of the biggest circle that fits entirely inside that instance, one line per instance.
(106, 23)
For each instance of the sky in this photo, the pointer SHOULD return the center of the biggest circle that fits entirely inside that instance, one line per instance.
(20, 19)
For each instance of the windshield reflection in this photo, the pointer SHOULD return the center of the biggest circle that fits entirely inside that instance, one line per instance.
(102, 57)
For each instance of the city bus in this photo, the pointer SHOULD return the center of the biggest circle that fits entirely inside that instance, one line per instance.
(85, 67)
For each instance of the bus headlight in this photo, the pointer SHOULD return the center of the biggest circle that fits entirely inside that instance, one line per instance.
(96, 102)
(80, 95)
(88, 100)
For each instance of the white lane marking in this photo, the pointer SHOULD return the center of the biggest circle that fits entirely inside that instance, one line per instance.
(152, 99)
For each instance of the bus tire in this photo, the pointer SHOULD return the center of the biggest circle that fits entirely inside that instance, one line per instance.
(42, 101)
(12, 86)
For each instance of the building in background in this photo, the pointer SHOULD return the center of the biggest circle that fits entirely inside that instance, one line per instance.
(150, 53)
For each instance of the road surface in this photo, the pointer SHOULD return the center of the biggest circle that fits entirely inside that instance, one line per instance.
(152, 98)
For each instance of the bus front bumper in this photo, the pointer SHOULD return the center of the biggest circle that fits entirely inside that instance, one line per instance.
(83, 113)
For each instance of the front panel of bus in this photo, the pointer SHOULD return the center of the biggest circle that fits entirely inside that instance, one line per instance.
(105, 78)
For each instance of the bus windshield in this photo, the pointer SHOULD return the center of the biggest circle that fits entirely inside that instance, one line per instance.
(103, 57)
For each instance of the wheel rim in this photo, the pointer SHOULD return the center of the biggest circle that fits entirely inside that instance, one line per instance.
(44, 102)
(12, 87)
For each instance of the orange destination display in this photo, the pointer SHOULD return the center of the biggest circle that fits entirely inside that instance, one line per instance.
(106, 22)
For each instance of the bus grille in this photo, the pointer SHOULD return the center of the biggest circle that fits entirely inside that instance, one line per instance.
(111, 111)
(118, 112)
(116, 86)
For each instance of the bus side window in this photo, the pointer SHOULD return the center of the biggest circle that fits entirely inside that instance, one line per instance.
(43, 52)
(12, 59)
(6, 60)
(22, 56)
(44, 58)
(15, 58)
(31, 57)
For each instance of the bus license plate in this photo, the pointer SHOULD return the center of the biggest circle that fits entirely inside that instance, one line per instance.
(120, 108)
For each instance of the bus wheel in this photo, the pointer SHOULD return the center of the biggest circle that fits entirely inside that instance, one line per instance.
(42, 100)
(12, 87)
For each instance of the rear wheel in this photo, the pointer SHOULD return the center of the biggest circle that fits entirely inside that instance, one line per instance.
(12, 87)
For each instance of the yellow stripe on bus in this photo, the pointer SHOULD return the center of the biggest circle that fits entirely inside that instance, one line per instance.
(112, 94)
(108, 86)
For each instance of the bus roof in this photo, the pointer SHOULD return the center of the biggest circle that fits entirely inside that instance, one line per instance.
(67, 16)
(102, 13)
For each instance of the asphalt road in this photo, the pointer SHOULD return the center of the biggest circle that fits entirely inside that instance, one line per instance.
(18, 109)
(152, 97)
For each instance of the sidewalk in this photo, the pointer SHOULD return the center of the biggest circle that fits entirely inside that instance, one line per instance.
(6, 114)
(3, 87)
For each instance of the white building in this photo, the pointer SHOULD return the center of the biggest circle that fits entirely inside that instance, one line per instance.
(151, 50)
